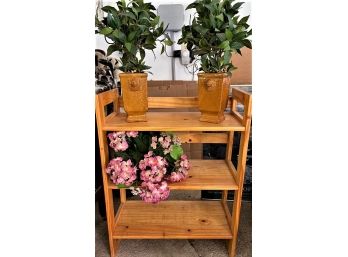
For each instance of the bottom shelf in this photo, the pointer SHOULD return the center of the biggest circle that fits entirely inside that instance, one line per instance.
(172, 220)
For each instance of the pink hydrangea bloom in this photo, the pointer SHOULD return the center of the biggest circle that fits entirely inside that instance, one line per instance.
(181, 172)
(118, 141)
(154, 192)
(121, 172)
(132, 133)
(153, 168)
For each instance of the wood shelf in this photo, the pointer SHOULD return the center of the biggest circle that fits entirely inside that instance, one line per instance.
(179, 219)
(171, 121)
(172, 220)
(204, 175)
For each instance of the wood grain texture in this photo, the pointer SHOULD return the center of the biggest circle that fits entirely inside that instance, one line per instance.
(180, 219)
(171, 121)
(198, 137)
(240, 172)
(102, 100)
(169, 102)
(173, 220)
(204, 175)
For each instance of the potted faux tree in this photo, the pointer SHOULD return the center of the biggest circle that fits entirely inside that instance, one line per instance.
(215, 33)
(130, 29)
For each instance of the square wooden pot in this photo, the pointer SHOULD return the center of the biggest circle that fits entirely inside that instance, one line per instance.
(212, 96)
(134, 94)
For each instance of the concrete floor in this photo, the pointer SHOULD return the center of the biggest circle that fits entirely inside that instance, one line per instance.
(177, 248)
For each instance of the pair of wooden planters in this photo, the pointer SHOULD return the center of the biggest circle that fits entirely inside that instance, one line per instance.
(212, 96)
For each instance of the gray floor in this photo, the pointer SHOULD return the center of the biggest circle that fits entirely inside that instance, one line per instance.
(177, 248)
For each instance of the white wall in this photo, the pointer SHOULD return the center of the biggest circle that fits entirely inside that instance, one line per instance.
(161, 66)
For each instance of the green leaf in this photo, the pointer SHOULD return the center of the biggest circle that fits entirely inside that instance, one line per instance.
(247, 43)
(149, 46)
(221, 36)
(244, 19)
(176, 152)
(225, 45)
(119, 35)
(162, 50)
(191, 6)
(109, 9)
(111, 49)
(237, 5)
(212, 21)
(200, 29)
(142, 54)
(129, 14)
(111, 21)
(155, 21)
(220, 17)
(236, 45)
(131, 35)
(168, 42)
(121, 186)
(227, 57)
(228, 34)
(128, 45)
(106, 31)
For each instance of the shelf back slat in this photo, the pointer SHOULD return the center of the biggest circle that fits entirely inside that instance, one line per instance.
(205, 138)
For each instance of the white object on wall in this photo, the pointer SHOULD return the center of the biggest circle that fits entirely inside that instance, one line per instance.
(161, 65)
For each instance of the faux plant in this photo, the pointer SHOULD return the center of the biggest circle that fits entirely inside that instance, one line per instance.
(145, 161)
(132, 28)
(216, 32)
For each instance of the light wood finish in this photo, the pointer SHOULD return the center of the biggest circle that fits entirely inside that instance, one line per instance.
(203, 175)
(123, 196)
(165, 102)
(172, 220)
(101, 102)
(134, 92)
(169, 102)
(198, 137)
(243, 149)
(180, 219)
(171, 121)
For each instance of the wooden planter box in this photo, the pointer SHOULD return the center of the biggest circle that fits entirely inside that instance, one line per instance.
(179, 219)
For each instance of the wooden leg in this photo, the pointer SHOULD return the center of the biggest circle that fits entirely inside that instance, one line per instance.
(232, 244)
(237, 202)
(109, 202)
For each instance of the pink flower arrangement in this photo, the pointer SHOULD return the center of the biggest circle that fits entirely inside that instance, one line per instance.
(182, 167)
(121, 172)
(163, 161)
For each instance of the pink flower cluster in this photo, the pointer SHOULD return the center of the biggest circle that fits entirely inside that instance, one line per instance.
(154, 192)
(121, 172)
(165, 141)
(153, 168)
(182, 166)
(118, 140)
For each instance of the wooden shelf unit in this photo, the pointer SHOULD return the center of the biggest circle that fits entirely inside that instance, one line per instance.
(179, 219)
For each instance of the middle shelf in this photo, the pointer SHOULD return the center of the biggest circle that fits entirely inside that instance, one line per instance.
(204, 175)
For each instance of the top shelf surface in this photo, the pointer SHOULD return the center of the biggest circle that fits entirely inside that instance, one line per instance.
(171, 121)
